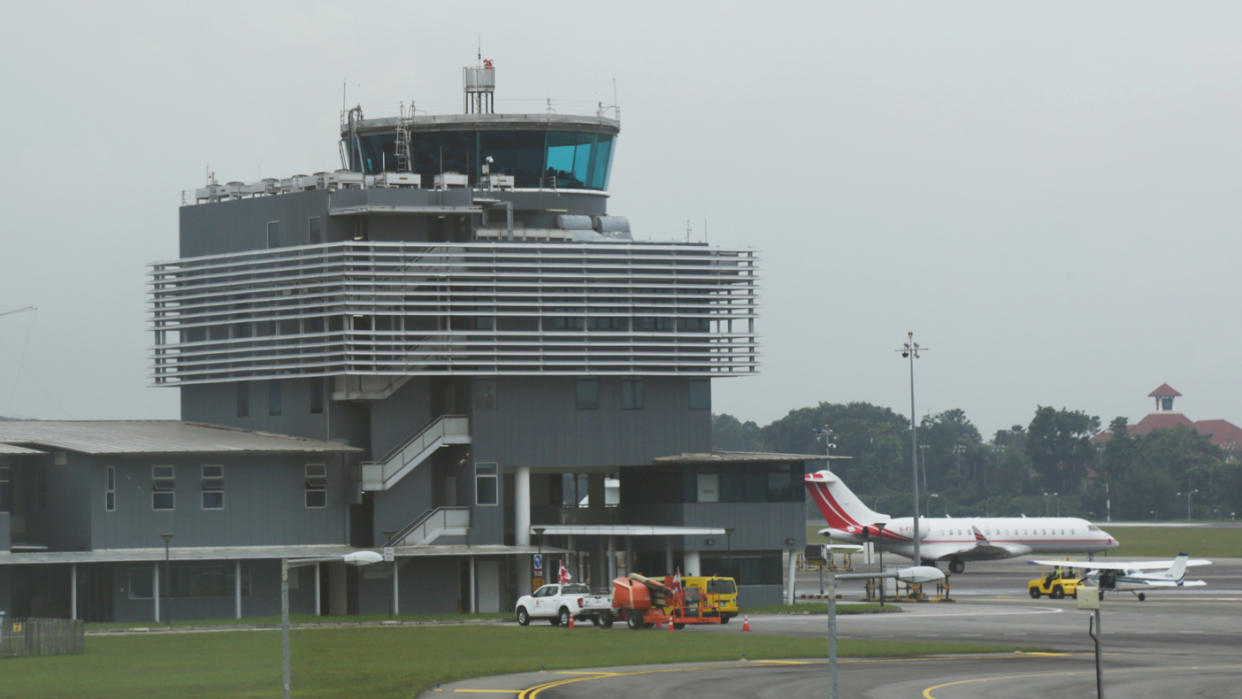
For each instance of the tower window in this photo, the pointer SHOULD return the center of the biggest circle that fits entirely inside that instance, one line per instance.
(485, 484)
(314, 233)
(273, 398)
(273, 234)
(316, 485)
(213, 487)
(700, 394)
(587, 395)
(316, 396)
(163, 488)
(109, 490)
(631, 394)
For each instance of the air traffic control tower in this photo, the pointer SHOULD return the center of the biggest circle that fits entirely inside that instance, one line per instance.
(458, 301)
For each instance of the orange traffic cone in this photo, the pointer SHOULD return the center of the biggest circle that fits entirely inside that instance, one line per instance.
(746, 623)
(670, 624)
(571, 621)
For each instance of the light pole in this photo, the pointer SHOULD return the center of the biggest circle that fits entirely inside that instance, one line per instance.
(929, 498)
(880, 526)
(958, 450)
(987, 506)
(923, 463)
(168, 575)
(1044, 501)
(357, 558)
(1188, 494)
(1056, 501)
(910, 350)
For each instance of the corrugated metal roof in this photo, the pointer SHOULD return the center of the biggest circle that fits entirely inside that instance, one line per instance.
(234, 553)
(742, 457)
(626, 530)
(14, 449)
(154, 437)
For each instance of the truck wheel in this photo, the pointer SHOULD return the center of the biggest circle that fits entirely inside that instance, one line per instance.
(564, 616)
(605, 620)
(523, 618)
(634, 621)
(1057, 592)
(1034, 592)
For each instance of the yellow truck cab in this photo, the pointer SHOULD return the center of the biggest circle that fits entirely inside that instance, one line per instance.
(719, 595)
(1056, 582)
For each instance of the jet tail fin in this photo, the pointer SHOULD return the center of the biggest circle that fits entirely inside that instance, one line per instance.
(842, 509)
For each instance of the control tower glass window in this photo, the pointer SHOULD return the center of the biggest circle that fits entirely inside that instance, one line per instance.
(562, 159)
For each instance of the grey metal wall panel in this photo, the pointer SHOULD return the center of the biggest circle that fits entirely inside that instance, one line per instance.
(241, 224)
(217, 404)
(5, 532)
(66, 522)
(397, 507)
(399, 417)
(536, 424)
(757, 526)
(264, 504)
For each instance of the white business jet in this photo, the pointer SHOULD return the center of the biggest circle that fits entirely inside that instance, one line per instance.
(952, 539)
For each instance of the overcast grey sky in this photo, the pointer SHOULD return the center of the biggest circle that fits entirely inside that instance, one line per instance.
(1046, 194)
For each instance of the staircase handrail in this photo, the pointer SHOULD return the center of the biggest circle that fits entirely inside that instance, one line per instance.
(437, 426)
(423, 519)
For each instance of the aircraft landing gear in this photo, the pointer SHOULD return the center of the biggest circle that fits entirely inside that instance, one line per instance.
(957, 565)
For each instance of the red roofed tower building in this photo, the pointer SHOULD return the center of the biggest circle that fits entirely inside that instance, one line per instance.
(1222, 433)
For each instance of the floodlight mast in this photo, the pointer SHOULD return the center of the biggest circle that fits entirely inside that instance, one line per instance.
(910, 350)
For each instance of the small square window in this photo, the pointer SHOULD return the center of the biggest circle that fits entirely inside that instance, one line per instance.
(316, 396)
(700, 394)
(587, 397)
(273, 398)
(631, 394)
(316, 483)
(485, 492)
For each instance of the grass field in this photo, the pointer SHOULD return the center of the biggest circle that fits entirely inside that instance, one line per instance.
(1158, 542)
(1147, 541)
(376, 661)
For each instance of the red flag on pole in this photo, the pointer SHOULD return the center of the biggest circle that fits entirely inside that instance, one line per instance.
(563, 575)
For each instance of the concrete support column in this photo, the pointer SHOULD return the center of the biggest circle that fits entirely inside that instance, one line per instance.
(73, 590)
(521, 527)
(629, 555)
(693, 566)
(571, 559)
(668, 555)
(793, 568)
(338, 589)
(595, 491)
(472, 605)
(612, 558)
(318, 590)
(155, 588)
(396, 598)
(237, 585)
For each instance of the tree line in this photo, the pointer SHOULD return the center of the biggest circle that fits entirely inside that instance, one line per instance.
(1046, 467)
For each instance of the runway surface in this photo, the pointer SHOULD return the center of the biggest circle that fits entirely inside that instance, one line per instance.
(1185, 643)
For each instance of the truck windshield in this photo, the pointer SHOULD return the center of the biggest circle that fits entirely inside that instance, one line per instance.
(721, 587)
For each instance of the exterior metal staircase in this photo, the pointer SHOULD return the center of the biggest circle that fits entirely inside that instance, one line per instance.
(443, 431)
(431, 525)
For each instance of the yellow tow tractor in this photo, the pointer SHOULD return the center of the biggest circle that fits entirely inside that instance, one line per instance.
(1057, 582)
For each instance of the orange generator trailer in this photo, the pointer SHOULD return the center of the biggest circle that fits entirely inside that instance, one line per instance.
(642, 602)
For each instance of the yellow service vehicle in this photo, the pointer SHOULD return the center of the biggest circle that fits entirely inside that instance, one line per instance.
(1056, 582)
(718, 594)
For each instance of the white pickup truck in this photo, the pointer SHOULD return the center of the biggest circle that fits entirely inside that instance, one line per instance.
(558, 602)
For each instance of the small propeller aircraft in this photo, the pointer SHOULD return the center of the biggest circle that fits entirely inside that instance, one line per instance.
(1134, 576)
